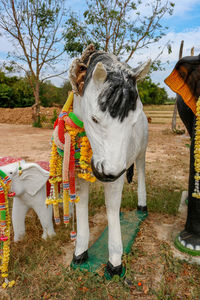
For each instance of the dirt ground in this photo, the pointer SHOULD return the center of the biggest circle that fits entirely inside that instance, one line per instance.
(167, 163)
(164, 157)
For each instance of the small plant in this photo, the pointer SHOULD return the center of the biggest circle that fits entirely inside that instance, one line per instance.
(43, 119)
(54, 118)
(179, 131)
(188, 145)
(37, 123)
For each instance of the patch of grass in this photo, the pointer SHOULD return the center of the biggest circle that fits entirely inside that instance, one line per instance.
(176, 276)
(158, 108)
(37, 123)
(44, 119)
(160, 200)
(37, 265)
(163, 200)
(97, 199)
(165, 292)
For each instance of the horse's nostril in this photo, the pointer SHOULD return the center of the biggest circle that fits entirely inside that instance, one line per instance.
(102, 167)
(99, 167)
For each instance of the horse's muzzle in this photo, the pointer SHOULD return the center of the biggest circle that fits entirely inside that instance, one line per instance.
(104, 177)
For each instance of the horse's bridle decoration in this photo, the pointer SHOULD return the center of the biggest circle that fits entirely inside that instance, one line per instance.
(71, 156)
(78, 70)
(71, 150)
(4, 229)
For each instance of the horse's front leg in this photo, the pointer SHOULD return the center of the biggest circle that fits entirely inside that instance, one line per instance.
(140, 165)
(113, 194)
(81, 253)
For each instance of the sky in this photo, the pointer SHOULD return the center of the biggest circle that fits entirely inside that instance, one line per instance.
(184, 24)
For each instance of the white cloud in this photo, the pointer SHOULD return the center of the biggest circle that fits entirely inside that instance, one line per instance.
(183, 7)
(190, 38)
(5, 44)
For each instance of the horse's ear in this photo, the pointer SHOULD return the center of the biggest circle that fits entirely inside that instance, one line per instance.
(99, 74)
(141, 71)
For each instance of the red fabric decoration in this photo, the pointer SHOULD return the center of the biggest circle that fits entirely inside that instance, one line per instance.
(61, 131)
(43, 164)
(2, 198)
(8, 160)
(55, 123)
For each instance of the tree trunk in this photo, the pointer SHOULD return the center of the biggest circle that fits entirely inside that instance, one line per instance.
(175, 105)
(36, 107)
(192, 51)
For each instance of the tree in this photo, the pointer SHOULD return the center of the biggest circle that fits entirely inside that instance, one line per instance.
(175, 104)
(117, 26)
(34, 28)
(151, 93)
(15, 92)
(49, 94)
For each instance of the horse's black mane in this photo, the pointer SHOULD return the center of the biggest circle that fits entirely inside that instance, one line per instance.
(121, 95)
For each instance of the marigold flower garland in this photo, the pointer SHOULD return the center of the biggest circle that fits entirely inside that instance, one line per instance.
(71, 156)
(4, 229)
(196, 193)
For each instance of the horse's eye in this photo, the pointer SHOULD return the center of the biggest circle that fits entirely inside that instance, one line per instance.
(83, 68)
(94, 120)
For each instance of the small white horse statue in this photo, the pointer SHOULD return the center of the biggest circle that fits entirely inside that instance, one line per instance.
(109, 105)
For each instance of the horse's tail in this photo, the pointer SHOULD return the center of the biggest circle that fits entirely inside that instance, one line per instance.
(130, 173)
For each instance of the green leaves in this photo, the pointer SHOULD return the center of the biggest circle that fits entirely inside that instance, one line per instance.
(150, 93)
(15, 92)
(116, 26)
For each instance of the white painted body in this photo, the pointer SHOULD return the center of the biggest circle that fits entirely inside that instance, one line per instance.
(117, 145)
(30, 192)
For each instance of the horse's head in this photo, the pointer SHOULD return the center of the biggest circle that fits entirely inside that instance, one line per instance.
(110, 108)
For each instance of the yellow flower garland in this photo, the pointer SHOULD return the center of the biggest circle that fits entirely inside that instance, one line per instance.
(85, 160)
(85, 170)
(196, 193)
(6, 244)
(83, 154)
(55, 165)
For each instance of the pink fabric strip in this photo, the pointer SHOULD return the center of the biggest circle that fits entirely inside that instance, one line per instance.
(66, 157)
(56, 139)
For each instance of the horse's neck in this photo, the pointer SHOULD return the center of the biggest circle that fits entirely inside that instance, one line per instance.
(77, 106)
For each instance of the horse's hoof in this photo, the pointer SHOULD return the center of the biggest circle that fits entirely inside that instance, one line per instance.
(111, 270)
(81, 258)
(19, 237)
(142, 208)
(189, 240)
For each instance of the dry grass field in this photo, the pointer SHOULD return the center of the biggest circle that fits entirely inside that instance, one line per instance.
(41, 268)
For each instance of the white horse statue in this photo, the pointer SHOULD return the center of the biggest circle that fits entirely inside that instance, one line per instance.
(107, 101)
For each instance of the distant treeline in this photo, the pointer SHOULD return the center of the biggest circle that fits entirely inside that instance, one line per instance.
(17, 92)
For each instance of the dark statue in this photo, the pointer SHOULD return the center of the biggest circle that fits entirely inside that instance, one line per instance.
(185, 81)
